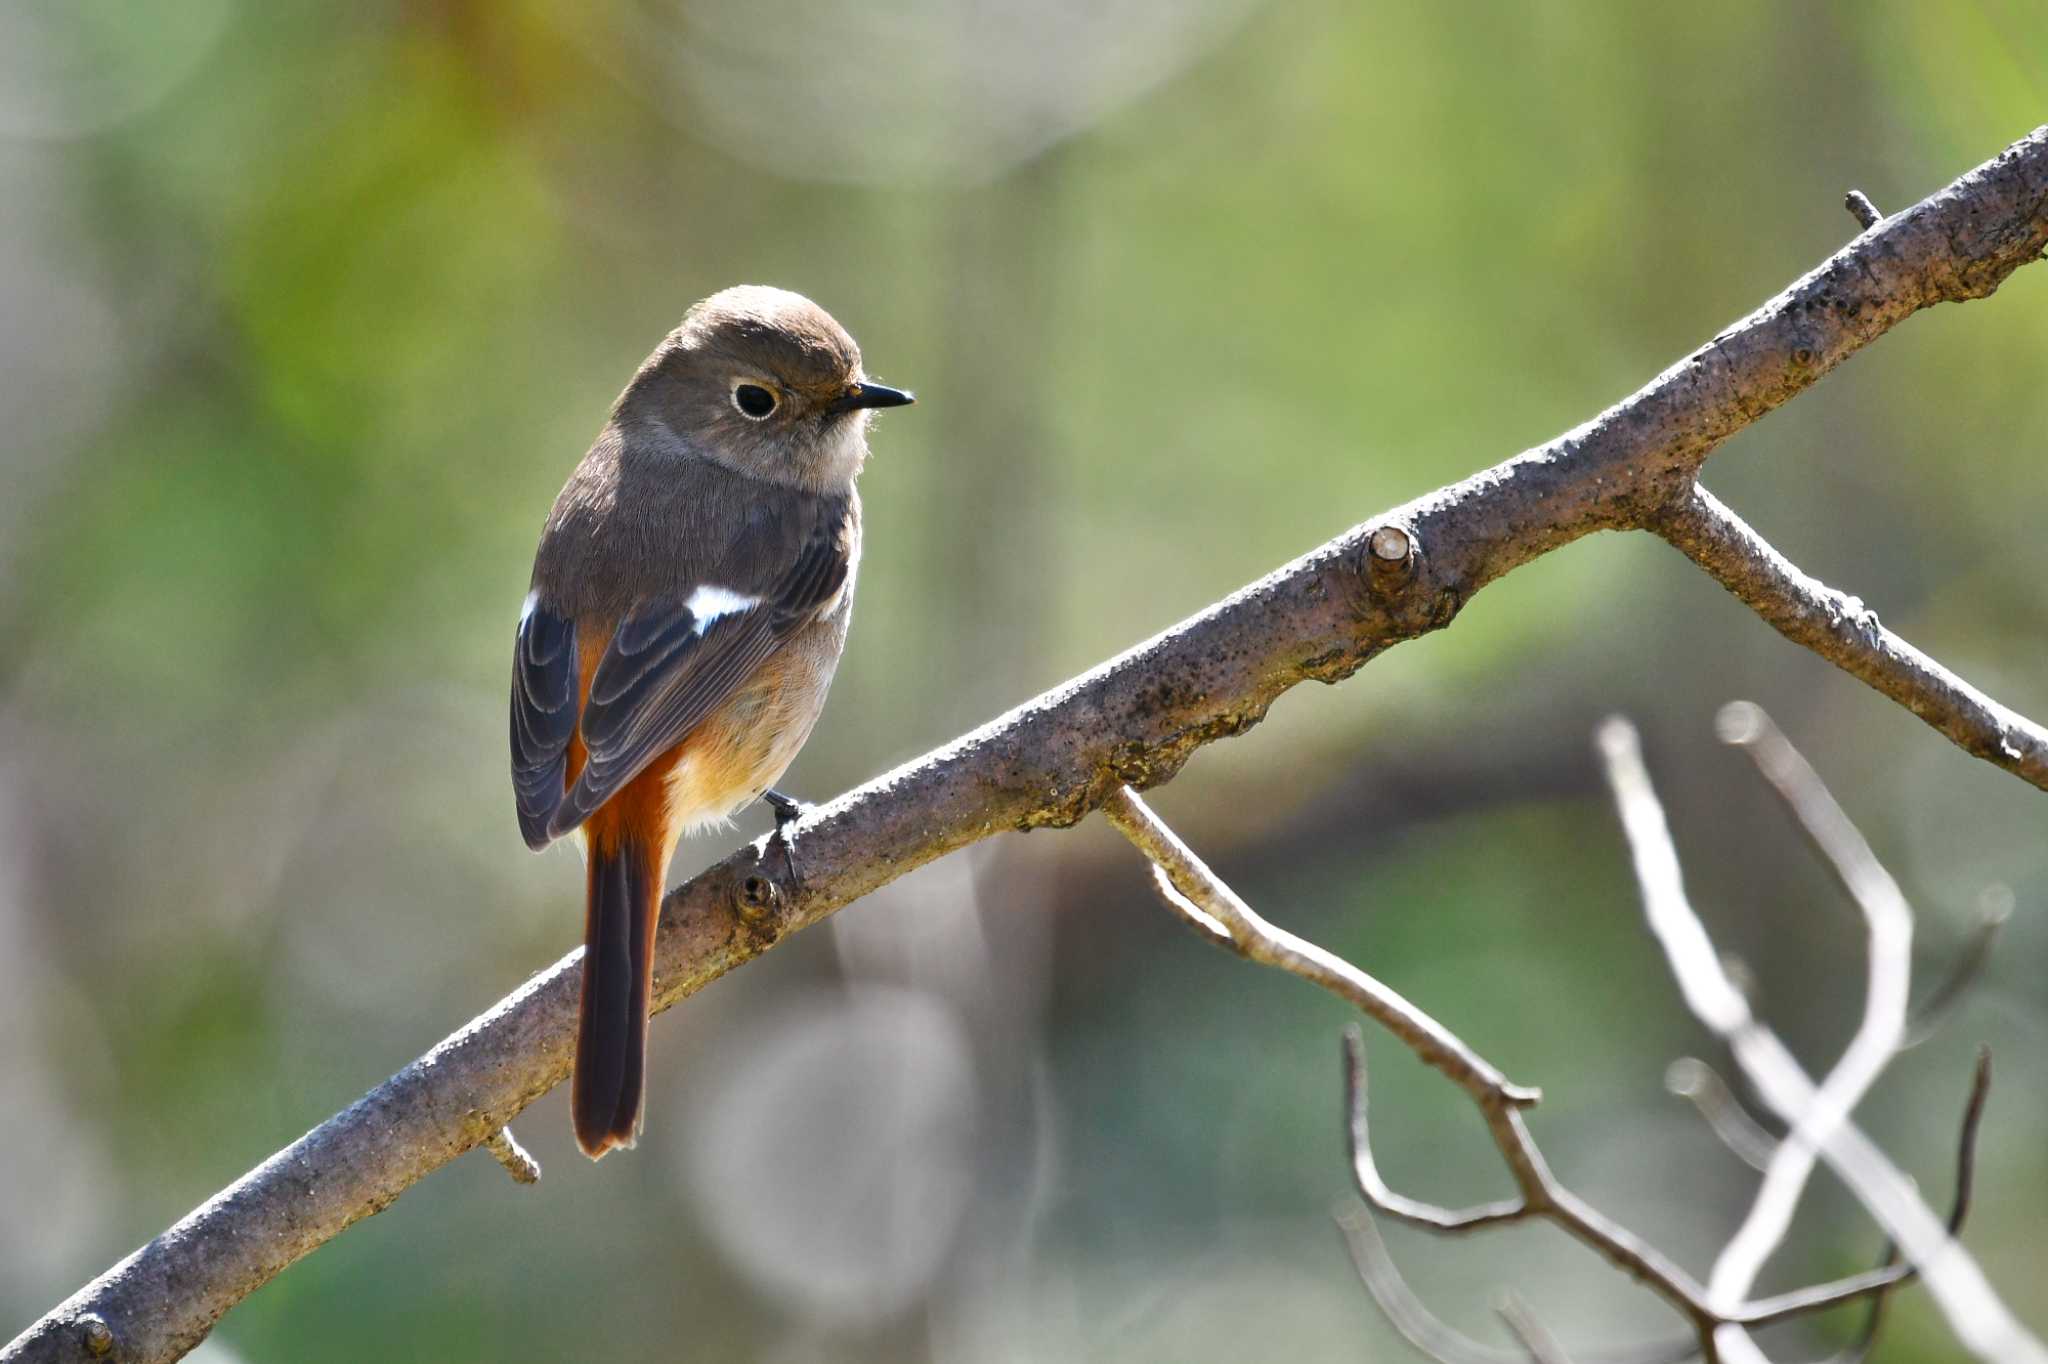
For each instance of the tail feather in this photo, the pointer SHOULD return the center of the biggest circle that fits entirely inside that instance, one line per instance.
(624, 896)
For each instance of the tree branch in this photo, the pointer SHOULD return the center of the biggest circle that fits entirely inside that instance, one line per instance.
(1135, 719)
(1718, 1313)
(1199, 898)
(1888, 921)
(1818, 1118)
(1845, 632)
(1959, 1208)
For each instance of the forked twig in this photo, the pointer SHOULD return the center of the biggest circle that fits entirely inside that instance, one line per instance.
(1966, 1177)
(1199, 897)
(1973, 1309)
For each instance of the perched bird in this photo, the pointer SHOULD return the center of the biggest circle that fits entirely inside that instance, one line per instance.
(689, 602)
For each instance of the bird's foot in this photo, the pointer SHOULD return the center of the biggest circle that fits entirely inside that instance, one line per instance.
(788, 810)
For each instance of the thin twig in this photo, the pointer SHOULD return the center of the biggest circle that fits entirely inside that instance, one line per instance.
(1747, 726)
(1889, 1274)
(1994, 909)
(1959, 1208)
(518, 1163)
(1179, 873)
(1429, 1333)
(1704, 1087)
(1537, 1342)
(1841, 629)
(1973, 1310)
(1691, 1078)
(1196, 893)
(1365, 1170)
(1889, 924)
(1404, 1311)
(1859, 205)
(1191, 914)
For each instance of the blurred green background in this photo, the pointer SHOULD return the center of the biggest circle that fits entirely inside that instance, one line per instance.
(306, 312)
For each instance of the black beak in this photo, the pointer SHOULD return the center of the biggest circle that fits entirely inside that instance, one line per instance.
(871, 394)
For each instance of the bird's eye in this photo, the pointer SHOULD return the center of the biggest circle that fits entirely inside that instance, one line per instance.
(753, 401)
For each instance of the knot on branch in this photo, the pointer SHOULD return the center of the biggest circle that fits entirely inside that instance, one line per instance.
(757, 898)
(1850, 613)
(1402, 602)
(1392, 554)
(95, 1335)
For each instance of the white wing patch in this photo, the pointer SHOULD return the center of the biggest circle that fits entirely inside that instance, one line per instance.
(526, 610)
(708, 603)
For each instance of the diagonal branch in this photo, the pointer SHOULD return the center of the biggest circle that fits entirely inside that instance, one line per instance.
(1136, 719)
(1195, 894)
(1845, 632)
(1966, 1178)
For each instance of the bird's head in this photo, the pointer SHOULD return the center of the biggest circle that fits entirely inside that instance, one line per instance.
(766, 382)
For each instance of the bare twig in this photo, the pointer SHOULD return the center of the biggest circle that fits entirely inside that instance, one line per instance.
(1429, 1333)
(1135, 719)
(1365, 1172)
(1747, 726)
(1889, 921)
(1418, 1325)
(1994, 907)
(1974, 1311)
(1693, 1079)
(1959, 1209)
(1844, 631)
(1196, 893)
(1889, 1273)
(518, 1163)
(1859, 205)
(1537, 1342)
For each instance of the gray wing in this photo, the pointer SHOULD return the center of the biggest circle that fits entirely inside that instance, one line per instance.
(543, 717)
(670, 663)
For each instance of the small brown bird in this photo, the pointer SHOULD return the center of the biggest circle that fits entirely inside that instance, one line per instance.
(689, 603)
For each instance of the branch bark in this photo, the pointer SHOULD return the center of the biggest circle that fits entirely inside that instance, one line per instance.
(1841, 629)
(1136, 719)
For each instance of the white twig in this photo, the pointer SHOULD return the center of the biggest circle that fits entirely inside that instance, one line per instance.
(1973, 1309)
(1536, 1340)
(1889, 921)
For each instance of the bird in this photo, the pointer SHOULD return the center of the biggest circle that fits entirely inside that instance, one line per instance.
(688, 606)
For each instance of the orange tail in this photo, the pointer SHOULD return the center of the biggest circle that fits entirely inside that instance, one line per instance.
(624, 900)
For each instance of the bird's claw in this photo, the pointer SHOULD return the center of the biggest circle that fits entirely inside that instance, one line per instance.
(788, 811)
